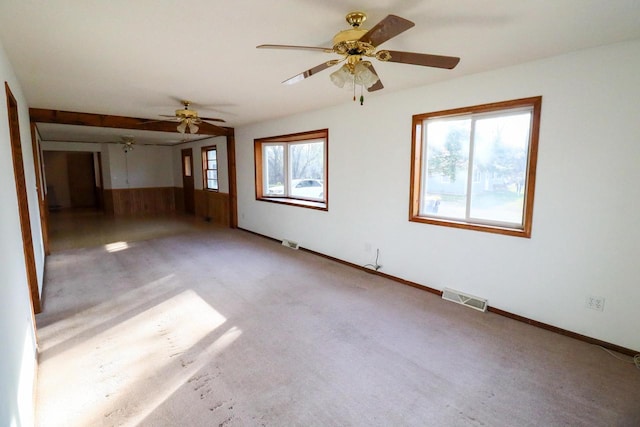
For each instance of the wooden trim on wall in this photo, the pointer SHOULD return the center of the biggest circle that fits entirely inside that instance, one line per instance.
(41, 115)
(213, 206)
(551, 328)
(23, 203)
(233, 184)
(188, 180)
(136, 201)
(42, 197)
(178, 196)
(564, 332)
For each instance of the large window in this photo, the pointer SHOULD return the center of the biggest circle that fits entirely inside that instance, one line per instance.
(475, 167)
(210, 168)
(292, 169)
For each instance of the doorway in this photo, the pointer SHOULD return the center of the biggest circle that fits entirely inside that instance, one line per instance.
(23, 205)
(71, 180)
(187, 181)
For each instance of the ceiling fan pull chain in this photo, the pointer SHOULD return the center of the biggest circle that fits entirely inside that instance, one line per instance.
(354, 88)
(361, 95)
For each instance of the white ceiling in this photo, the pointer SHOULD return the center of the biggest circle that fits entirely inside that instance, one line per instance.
(86, 134)
(137, 58)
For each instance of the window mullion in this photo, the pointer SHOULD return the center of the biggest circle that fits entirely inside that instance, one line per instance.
(265, 170)
(472, 133)
(424, 173)
(285, 161)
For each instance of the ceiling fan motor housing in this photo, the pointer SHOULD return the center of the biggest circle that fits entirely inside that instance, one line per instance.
(186, 114)
(347, 43)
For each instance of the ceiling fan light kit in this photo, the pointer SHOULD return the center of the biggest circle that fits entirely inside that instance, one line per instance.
(187, 124)
(357, 43)
(350, 75)
(127, 143)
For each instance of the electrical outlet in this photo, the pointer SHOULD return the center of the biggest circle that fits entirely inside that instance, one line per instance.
(595, 303)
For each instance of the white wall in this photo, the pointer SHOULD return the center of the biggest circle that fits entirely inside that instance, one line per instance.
(585, 234)
(220, 142)
(18, 354)
(146, 166)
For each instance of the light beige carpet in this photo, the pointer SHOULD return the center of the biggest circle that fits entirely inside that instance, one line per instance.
(216, 327)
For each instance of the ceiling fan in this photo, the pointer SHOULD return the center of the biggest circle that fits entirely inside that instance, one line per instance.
(128, 143)
(188, 119)
(357, 43)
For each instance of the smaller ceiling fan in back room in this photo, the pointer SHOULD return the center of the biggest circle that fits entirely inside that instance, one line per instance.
(188, 119)
(357, 43)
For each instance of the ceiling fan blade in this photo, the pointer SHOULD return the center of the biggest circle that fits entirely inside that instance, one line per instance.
(284, 46)
(386, 29)
(212, 119)
(424, 59)
(377, 85)
(310, 72)
(153, 121)
(171, 117)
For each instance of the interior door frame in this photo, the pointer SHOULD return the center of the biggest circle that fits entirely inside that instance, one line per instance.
(189, 201)
(100, 186)
(41, 187)
(23, 203)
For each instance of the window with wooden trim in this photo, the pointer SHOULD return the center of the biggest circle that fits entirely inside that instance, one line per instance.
(210, 168)
(292, 169)
(475, 167)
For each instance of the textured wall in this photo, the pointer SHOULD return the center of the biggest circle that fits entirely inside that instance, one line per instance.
(585, 234)
(18, 356)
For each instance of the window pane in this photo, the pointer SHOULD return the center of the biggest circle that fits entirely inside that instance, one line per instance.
(212, 174)
(306, 165)
(273, 168)
(212, 184)
(447, 159)
(187, 165)
(500, 152)
(211, 155)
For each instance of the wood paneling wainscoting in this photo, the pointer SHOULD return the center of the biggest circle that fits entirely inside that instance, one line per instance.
(208, 204)
(178, 194)
(213, 205)
(132, 201)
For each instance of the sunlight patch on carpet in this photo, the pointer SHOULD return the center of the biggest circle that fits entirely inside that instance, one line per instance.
(165, 345)
(116, 246)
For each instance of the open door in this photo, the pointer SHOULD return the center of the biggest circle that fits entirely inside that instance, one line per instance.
(81, 177)
(23, 206)
(187, 181)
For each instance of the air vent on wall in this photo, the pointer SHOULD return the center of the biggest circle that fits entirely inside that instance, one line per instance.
(464, 299)
(290, 244)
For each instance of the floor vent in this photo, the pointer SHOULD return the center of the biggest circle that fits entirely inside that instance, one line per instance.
(289, 244)
(464, 299)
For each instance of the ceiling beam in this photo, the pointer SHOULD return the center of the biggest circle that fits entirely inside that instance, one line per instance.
(41, 115)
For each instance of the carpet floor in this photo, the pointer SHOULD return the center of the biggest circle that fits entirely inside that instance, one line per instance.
(208, 326)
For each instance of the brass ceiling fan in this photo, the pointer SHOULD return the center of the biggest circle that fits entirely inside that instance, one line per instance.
(188, 119)
(356, 44)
